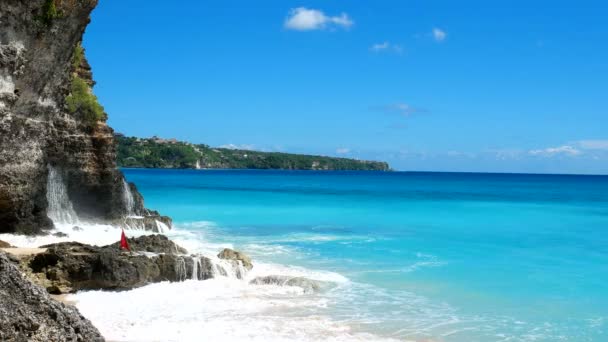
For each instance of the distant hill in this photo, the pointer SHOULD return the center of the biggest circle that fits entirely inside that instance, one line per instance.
(169, 153)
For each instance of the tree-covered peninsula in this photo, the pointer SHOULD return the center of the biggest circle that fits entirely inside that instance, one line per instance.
(170, 153)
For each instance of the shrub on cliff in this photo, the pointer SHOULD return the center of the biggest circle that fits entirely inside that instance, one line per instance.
(49, 12)
(82, 100)
(78, 56)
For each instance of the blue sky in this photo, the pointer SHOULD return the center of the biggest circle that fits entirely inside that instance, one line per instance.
(502, 86)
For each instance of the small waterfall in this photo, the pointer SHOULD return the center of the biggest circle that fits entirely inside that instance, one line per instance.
(196, 265)
(219, 270)
(229, 268)
(128, 198)
(161, 227)
(60, 209)
(240, 270)
(180, 269)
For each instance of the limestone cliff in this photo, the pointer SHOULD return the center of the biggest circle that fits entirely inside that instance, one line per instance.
(57, 154)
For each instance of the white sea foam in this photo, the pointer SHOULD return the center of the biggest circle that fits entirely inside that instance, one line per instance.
(231, 309)
(224, 308)
(216, 310)
(92, 234)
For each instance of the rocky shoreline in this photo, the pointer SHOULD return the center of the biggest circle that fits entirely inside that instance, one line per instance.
(67, 267)
(33, 281)
(28, 280)
(28, 313)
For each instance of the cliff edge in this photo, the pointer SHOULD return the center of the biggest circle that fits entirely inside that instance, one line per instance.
(57, 154)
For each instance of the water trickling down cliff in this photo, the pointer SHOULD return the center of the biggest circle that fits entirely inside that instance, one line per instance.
(57, 154)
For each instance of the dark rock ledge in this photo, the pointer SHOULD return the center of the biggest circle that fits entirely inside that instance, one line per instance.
(27, 313)
(71, 266)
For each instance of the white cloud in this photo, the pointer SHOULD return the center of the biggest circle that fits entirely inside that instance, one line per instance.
(304, 19)
(403, 109)
(238, 147)
(380, 46)
(343, 150)
(459, 154)
(439, 35)
(505, 153)
(566, 150)
(386, 46)
(594, 144)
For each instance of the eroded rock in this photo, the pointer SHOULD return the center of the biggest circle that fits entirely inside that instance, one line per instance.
(40, 60)
(155, 244)
(231, 254)
(27, 313)
(73, 266)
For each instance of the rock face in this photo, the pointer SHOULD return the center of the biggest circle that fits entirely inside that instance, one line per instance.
(57, 154)
(72, 266)
(153, 244)
(27, 313)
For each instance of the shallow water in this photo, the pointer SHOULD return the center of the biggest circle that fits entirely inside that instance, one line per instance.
(405, 256)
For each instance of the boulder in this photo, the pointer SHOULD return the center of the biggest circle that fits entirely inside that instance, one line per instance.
(4, 244)
(73, 266)
(27, 313)
(308, 285)
(153, 243)
(230, 254)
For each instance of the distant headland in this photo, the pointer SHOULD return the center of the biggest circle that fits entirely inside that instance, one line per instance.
(156, 152)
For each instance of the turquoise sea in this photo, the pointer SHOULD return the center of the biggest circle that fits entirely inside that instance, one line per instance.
(427, 256)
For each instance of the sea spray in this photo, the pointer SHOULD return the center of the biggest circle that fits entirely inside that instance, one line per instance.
(60, 209)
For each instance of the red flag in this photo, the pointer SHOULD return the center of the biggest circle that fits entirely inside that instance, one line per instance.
(124, 244)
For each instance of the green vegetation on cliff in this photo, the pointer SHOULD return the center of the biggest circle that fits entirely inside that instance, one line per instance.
(77, 57)
(82, 100)
(49, 12)
(160, 153)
